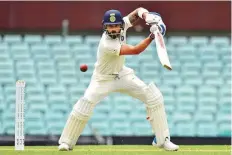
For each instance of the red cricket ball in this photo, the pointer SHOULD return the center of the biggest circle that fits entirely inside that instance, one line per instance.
(83, 67)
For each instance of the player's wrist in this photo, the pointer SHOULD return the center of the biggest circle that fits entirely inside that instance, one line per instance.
(151, 36)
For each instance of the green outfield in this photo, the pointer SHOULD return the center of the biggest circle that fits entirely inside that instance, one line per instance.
(119, 150)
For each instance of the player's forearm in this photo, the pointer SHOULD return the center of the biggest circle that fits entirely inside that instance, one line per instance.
(139, 48)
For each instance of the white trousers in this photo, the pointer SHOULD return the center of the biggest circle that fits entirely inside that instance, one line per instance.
(128, 84)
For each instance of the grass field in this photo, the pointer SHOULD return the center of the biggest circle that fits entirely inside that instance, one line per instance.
(118, 150)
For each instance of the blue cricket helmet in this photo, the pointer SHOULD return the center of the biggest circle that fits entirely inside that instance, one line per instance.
(112, 17)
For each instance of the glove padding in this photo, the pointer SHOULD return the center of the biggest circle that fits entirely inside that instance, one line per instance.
(154, 18)
(160, 26)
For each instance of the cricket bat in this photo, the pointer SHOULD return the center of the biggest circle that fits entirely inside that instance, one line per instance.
(161, 50)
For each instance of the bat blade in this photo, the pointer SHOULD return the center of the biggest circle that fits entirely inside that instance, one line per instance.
(161, 50)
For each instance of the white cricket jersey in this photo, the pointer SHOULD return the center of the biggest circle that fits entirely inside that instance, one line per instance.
(108, 59)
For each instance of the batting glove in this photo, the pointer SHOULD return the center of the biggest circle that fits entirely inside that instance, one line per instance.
(154, 18)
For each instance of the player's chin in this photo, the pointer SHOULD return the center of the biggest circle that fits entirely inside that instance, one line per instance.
(114, 36)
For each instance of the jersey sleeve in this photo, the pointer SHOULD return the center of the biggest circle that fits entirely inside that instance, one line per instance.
(112, 47)
(127, 22)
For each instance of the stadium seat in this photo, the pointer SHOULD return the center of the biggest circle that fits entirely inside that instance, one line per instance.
(175, 65)
(32, 115)
(136, 117)
(120, 128)
(171, 48)
(168, 75)
(193, 65)
(223, 118)
(32, 39)
(213, 66)
(201, 117)
(35, 127)
(185, 90)
(12, 38)
(175, 81)
(61, 52)
(10, 101)
(55, 128)
(73, 39)
(8, 118)
(9, 127)
(207, 91)
(6, 67)
(10, 89)
(52, 39)
(199, 40)
(149, 76)
(68, 79)
(210, 74)
(220, 41)
(181, 117)
(208, 129)
(37, 102)
(88, 132)
(134, 40)
(20, 52)
(207, 50)
(186, 52)
(170, 103)
(4, 47)
(225, 107)
(2, 104)
(115, 116)
(1, 128)
(208, 104)
(103, 107)
(185, 129)
(47, 77)
(187, 58)
(226, 58)
(166, 90)
(146, 58)
(56, 90)
(123, 106)
(98, 117)
(141, 129)
(135, 66)
(35, 89)
(186, 104)
(92, 39)
(178, 40)
(55, 122)
(40, 51)
(46, 66)
(224, 130)
(225, 50)
(101, 127)
(58, 103)
(217, 82)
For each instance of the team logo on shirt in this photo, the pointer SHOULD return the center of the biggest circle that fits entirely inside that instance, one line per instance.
(112, 17)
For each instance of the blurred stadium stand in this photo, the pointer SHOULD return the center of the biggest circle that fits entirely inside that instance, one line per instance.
(197, 91)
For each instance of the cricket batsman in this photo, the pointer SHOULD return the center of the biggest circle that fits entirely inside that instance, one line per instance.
(111, 75)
